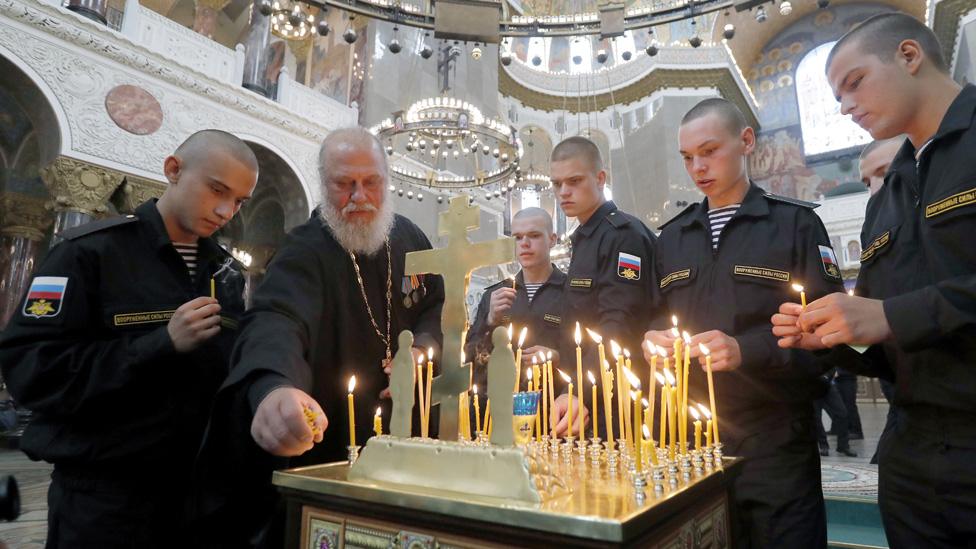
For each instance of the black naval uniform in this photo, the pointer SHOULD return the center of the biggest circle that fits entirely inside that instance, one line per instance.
(765, 406)
(117, 410)
(543, 316)
(607, 286)
(918, 259)
(308, 328)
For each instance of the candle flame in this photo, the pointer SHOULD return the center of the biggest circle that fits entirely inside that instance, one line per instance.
(535, 360)
(565, 377)
(379, 411)
(548, 355)
(704, 410)
(474, 388)
(850, 293)
(675, 332)
(528, 372)
(522, 334)
(614, 348)
(663, 352)
(660, 378)
(645, 403)
(578, 336)
(646, 432)
(668, 376)
(694, 413)
(352, 383)
(704, 349)
(626, 353)
(674, 321)
(797, 288)
(462, 358)
(589, 374)
(649, 347)
(597, 338)
(633, 395)
(633, 379)
(510, 328)
(686, 337)
(430, 354)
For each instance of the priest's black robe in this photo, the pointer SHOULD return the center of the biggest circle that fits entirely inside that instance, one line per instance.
(308, 328)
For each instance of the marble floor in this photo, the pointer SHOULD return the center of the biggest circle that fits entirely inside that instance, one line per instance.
(842, 476)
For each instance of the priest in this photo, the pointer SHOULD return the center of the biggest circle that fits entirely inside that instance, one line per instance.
(331, 306)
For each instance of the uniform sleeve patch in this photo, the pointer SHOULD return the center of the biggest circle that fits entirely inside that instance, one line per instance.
(876, 245)
(581, 283)
(628, 266)
(947, 204)
(761, 272)
(45, 296)
(554, 319)
(829, 261)
(675, 276)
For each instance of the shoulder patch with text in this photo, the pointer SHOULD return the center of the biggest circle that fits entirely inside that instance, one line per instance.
(580, 282)
(875, 245)
(761, 272)
(958, 200)
(554, 319)
(675, 276)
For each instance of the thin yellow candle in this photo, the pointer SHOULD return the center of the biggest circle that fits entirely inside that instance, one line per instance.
(430, 383)
(487, 414)
(677, 344)
(607, 387)
(684, 391)
(528, 376)
(352, 412)
(477, 410)
(695, 415)
(651, 350)
(647, 413)
(421, 401)
(552, 389)
(511, 328)
(631, 427)
(803, 295)
(672, 413)
(579, 371)
(569, 413)
(636, 398)
(618, 358)
(518, 355)
(378, 421)
(708, 424)
(663, 429)
(213, 288)
(589, 374)
(647, 438)
(540, 386)
(630, 418)
(711, 389)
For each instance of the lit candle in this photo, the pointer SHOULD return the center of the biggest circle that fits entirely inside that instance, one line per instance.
(569, 413)
(684, 392)
(663, 429)
(540, 387)
(510, 334)
(708, 424)
(607, 387)
(528, 376)
(697, 418)
(651, 350)
(579, 371)
(421, 401)
(552, 389)
(378, 422)
(352, 412)
(850, 292)
(430, 383)
(646, 431)
(621, 406)
(518, 356)
(677, 345)
(589, 374)
(637, 423)
(803, 295)
(711, 389)
(632, 428)
(672, 413)
(213, 288)
(477, 410)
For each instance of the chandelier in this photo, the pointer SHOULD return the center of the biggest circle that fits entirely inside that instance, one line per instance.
(290, 21)
(447, 143)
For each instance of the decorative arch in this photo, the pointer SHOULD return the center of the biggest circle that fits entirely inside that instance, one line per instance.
(48, 116)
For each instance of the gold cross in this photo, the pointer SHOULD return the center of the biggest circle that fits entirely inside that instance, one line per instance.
(455, 263)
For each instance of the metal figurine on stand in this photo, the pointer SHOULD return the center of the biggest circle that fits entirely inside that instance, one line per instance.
(353, 454)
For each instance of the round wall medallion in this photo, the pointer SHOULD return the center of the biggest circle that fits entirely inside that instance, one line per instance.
(134, 109)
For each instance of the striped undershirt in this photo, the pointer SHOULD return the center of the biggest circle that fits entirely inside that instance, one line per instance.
(531, 288)
(718, 218)
(189, 254)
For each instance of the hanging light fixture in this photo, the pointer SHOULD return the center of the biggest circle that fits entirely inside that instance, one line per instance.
(394, 45)
(761, 15)
(350, 35)
(785, 8)
(426, 51)
(290, 21)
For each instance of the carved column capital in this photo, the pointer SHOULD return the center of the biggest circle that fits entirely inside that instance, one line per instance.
(24, 216)
(79, 186)
(136, 190)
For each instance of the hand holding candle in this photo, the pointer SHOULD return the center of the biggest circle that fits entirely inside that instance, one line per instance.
(803, 295)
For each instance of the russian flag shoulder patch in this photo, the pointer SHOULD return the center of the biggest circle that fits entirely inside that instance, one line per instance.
(829, 260)
(628, 266)
(45, 296)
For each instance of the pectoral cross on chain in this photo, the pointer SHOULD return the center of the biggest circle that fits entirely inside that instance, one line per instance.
(455, 263)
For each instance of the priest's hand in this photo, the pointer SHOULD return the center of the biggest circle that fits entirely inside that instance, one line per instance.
(416, 352)
(658, 338)
(500, 304)
(193, 323)
(534, 351)
(786, 326)
(840, 318)
(559, 420)
(724, 349)
(280, 426)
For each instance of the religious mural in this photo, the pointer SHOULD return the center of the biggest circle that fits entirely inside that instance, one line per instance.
(779, 166)
(331, 68)
(19, 152)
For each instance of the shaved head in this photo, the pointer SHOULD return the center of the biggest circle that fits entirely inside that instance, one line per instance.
(349, 139)
(198, 147)
(732, 118)
(899, 139)
(881, 35)
(578, 147)
(534, 213)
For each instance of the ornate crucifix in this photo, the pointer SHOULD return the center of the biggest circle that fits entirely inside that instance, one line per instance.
(455, 263)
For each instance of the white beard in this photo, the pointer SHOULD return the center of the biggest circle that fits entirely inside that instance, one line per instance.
(364, 238)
